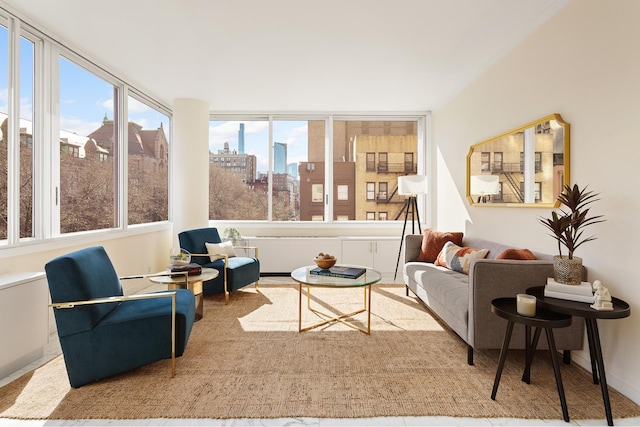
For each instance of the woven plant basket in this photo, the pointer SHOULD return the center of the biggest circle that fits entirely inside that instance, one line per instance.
(567, 271)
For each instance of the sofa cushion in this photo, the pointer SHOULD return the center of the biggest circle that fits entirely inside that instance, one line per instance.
(433, 241)
(519, 254)
(459, 258)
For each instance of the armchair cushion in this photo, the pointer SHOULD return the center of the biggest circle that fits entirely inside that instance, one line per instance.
(216, 250)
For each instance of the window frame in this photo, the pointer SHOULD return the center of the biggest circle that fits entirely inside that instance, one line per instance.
(424, 158)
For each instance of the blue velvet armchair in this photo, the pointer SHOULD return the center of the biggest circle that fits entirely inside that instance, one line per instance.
(103, 332)
(235, 272)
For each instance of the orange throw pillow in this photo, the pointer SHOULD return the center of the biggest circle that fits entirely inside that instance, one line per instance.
(521, 254)
(433, 241)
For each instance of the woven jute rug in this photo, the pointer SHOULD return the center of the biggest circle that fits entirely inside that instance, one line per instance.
(248, 360)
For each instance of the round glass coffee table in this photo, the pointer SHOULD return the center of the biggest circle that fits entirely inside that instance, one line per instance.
(304, 277)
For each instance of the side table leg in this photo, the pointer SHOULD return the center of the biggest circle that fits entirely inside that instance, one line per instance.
(556, 369)
(592, 354)
(503, 356)
(526, 376)
(600, 362)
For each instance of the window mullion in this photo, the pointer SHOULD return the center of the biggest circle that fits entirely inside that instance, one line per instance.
(328, 170)
(13, 137)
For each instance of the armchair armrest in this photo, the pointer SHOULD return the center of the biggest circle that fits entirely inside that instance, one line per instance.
(120, 298)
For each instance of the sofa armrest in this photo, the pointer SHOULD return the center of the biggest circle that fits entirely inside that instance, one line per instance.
(412, 245)
(489, 279)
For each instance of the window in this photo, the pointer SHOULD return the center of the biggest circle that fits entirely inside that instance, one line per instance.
(371, 190)
(371, 216)
(88, 187)
(485, 161)
(148, 158)
(383, 216)
(4, 143)
(382, 194)
(24, 135)
(317, 193)
(497, 162)
(343, 192)
(371, 162)
(288, 174)
(383, 162)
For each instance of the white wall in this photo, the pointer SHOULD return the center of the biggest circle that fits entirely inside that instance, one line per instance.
(584, 64)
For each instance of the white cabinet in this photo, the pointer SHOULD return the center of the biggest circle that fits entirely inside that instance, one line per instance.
(379, 253)
(285, 254)
(24, 319)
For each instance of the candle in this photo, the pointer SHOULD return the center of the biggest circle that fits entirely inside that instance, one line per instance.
(526, 305)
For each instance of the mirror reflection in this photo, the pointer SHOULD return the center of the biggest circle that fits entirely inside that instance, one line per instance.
(527, 166)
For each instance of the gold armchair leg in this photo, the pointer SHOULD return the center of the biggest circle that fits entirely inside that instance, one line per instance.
(173, 336)
(226, 288)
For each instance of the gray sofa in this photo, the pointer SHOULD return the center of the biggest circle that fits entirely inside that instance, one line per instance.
(463, 301)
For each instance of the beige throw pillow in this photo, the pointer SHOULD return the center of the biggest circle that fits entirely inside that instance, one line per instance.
(216, 250)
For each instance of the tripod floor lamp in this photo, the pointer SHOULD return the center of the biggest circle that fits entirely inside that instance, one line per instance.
(411, 186)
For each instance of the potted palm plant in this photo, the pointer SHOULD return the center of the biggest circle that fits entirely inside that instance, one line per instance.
(567, 226)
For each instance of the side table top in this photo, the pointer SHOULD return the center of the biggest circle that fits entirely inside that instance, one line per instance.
(581, 309)
(206, 274)
(507, 309)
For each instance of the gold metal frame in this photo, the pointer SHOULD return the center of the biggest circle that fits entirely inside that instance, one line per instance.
(566, 154)
(226, 264)
(329, 318)
(73, 304)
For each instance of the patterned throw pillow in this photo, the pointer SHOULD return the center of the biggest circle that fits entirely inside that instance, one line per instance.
(433, 241)
(459, 258)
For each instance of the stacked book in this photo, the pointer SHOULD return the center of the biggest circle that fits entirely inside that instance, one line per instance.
(339, 271)
(581, 293)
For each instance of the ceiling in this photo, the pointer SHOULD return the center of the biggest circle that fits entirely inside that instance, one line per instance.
(293, 55)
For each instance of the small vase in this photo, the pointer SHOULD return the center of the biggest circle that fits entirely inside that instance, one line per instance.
(567, 271)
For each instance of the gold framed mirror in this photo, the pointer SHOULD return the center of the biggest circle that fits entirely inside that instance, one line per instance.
(523, 167)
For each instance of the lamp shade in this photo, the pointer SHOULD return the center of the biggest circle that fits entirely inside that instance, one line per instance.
(412, 184)
(484, 184)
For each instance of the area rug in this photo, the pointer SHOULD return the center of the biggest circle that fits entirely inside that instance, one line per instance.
(248, 360)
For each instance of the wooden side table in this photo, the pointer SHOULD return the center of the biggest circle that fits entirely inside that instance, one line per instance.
(544, 319)
(581, 309)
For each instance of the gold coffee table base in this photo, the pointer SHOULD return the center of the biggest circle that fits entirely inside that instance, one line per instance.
(330, 318)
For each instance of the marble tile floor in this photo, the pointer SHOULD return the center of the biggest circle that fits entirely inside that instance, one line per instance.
(52, 350)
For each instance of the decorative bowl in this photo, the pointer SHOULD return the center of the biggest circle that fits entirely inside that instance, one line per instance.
(325, 263)
(179, 257)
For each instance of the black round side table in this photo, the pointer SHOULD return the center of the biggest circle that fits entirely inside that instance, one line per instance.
(544, 319)
(582, 309)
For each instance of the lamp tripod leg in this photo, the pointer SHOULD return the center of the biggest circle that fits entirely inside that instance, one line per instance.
(407, 205)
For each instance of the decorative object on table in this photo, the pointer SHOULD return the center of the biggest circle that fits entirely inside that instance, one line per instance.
(526, 305)
(192, 269)
(602, 297)
(339, 271)
(581, 293)
(411, 186)
(484, 186)
(179, 256)
(567, 227)
(325, 261)
(231, 233)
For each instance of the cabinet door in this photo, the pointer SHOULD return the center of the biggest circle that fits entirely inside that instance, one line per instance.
(386, 255)
(357, 252)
